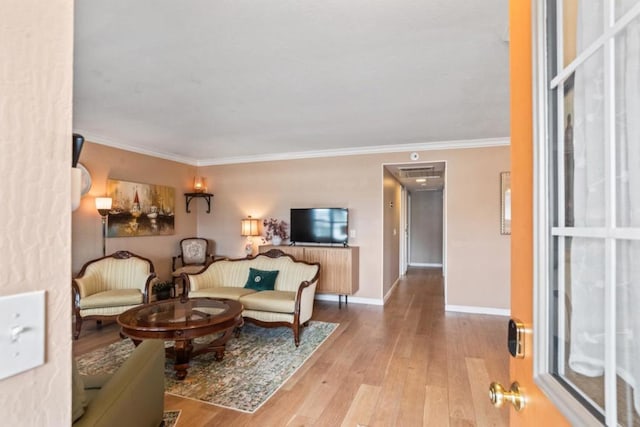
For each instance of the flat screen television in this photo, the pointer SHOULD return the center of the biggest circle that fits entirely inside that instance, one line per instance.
(320, 225)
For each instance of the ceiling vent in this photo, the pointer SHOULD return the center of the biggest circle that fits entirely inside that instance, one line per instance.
(421, 172)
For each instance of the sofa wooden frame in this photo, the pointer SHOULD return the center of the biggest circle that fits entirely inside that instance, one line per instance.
(295, 325)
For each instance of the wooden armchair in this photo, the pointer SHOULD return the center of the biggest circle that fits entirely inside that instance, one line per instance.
(108, 286)
(194, 256)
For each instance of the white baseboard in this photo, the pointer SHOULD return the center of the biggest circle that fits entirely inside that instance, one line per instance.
(478, 310)
(424, 264)
(355, 300)
(393, 287)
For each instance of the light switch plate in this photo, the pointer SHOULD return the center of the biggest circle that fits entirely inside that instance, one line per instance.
(22, 323)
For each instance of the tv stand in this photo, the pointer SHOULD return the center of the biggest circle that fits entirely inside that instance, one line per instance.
(339, 267)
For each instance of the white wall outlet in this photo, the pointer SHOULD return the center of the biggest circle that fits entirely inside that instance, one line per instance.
(352, 234)
(22, 323)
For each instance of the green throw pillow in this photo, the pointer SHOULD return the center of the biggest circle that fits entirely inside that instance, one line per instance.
(261, 280)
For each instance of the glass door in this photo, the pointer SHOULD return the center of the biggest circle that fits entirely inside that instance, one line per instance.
(588, 208)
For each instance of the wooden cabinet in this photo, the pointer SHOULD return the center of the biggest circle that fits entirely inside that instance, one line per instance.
(339, 266)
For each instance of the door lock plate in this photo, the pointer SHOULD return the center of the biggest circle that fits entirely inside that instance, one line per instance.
(515, 338)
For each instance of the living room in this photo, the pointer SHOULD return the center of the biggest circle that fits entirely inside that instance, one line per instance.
(476, 275)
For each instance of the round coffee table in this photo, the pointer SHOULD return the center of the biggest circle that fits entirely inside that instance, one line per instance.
(181, 320)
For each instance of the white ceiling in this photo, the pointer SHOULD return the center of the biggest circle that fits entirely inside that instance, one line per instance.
(208, 80)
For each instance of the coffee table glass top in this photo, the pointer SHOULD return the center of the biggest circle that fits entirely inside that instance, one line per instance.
(183, 312)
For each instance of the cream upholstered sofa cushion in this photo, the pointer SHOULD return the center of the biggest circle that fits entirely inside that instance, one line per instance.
(116, 297)
(222, 292)
(274, 301)
(290, 303)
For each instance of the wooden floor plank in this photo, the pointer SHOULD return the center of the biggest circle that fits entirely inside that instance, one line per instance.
(408, 363)
(363, 405)
(436, 407)
(485, 414)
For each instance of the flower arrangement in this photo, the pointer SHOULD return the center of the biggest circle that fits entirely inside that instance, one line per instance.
(275, 227)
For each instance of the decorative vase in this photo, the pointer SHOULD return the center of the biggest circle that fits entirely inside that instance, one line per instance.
(276, 240)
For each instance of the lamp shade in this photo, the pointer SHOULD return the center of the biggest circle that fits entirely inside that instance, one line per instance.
(103, 205)
(250, 227)
(200, 184)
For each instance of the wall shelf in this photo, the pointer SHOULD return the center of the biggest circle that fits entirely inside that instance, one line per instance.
(206, 196)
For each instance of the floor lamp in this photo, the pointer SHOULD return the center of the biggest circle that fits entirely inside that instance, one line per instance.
(103, 205)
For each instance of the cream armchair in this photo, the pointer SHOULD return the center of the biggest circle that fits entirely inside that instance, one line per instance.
(108, 286)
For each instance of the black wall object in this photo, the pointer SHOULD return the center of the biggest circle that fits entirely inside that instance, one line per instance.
(77, 142)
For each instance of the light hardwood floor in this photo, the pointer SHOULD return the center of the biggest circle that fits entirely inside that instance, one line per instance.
(407, 364)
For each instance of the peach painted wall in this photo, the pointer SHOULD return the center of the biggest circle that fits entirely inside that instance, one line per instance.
(478, 256)
(104, 163)
(36, 41)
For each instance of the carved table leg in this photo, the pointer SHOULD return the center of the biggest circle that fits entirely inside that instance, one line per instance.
(182, 352)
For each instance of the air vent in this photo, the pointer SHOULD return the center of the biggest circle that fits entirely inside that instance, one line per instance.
(421, 172)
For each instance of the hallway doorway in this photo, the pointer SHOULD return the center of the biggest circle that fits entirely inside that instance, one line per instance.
(422, 214)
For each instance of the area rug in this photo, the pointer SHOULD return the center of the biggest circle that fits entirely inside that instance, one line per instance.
(170, 418)
(254, 367)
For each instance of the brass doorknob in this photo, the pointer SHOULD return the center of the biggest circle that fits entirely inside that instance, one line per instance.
(499, 395)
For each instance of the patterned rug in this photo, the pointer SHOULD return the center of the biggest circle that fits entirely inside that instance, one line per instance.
(170, 418)
(254, 367)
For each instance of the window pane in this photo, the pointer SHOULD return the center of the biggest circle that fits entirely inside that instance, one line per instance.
(627, 106)
(580, 332)
(623, 6)
(628, 327)
(586, 194)
(581, 26)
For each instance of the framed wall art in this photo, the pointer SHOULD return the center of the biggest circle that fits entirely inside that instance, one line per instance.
(140, 209)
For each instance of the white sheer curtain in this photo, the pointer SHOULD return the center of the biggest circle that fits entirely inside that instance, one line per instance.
(587, 266)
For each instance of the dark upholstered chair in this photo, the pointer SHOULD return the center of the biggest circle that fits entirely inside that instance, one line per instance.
(108, 286)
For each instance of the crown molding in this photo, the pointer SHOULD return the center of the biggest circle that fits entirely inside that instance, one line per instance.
(101, 140)
(374, 149)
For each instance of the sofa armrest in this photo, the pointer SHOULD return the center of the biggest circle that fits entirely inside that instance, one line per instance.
(86, 285)
(304, 300)
(134, 395)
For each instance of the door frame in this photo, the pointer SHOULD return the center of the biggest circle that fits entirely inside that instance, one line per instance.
(563, 400)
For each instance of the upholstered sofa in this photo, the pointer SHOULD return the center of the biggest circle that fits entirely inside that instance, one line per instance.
(108, 286)
(289, 302)
(133, 396)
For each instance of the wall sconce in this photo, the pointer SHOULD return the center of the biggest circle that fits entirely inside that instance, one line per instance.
(199, 184)
(249, 228)
(103, 205)
(76, 174)
(199, 192)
